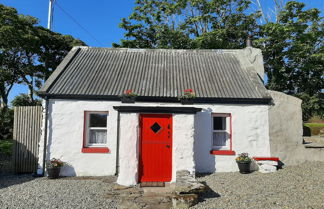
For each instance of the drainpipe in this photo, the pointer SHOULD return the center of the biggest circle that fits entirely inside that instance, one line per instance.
(117, 147)
(45, 135)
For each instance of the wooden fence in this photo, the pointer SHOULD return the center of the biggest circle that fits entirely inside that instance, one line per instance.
(26, 134)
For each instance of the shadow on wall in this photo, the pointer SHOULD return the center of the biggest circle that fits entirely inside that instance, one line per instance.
(204, 161)
(67, 170)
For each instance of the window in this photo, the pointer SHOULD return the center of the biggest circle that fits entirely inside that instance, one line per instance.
(95, 132)
(221, 134)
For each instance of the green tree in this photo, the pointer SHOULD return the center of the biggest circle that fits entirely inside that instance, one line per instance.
(6, 123)
(24, 100)
(293, 53)
(188, 24)
(29, 53)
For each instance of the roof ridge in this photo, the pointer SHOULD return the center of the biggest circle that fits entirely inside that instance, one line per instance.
(160, 50)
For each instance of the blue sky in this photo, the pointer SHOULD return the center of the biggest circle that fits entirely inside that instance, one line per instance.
(99, 17)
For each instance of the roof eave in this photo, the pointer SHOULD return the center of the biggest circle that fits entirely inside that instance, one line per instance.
(265, 100)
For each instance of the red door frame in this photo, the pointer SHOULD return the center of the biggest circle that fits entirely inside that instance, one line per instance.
(140, 139)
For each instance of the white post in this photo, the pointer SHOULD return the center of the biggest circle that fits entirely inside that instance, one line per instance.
(50, 15)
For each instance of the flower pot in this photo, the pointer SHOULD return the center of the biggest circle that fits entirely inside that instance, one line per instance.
(53, 173)
(187, 101)
(244, 167)
(128, 99)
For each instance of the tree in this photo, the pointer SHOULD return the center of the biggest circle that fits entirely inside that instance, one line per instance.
(24, 100)
(293, 52)
(188, 24)
(29, 53)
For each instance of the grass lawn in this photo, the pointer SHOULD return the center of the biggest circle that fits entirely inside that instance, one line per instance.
(6, 147)
(311, 125)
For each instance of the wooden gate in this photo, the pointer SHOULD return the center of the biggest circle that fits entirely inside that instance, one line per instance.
(26, 135)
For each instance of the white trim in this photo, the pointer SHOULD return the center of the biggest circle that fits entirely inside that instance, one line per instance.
(227, 130)
(87, 144)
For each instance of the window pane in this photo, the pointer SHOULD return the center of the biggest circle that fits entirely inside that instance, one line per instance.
(98, 137)
(220, 138)
(98, 120)
(219, 123)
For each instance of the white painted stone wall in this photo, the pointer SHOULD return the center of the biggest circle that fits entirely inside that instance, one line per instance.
(65, 138)
(192, 137)
(183, 143)
(250, 134)
(128, 151)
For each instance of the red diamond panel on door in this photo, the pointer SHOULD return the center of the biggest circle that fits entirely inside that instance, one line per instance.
(155, 148)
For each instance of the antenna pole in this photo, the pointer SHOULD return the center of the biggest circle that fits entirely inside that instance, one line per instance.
(50, 14)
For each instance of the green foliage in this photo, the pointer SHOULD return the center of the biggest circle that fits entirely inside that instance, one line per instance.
(312, 105)
(6, 147)
(6, 123)
(28, 52)
(24, 100)
(188, 24)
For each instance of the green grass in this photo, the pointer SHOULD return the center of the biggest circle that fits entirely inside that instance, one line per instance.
(315, 128)
(312, 125)
(6, 147)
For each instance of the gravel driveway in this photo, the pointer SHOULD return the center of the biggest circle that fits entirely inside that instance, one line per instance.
(289, 188)
(292, 187)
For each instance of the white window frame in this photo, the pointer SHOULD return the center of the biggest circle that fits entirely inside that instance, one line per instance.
(88, 129)
(227, 130)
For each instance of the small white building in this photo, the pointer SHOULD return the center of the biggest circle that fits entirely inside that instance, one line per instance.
(89, 128)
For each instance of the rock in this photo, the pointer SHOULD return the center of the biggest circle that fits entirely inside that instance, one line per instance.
(126, 204)
(183, 201)
(267, 168)
(267, 162)
(121, 187)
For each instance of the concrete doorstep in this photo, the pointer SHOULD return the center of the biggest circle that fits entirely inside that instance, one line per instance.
(180, 195)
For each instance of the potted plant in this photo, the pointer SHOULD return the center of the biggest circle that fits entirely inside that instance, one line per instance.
(53, 167)
(243, 161)
(188, 96)
(128, 96)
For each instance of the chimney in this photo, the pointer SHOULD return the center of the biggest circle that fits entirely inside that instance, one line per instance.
(249, 41)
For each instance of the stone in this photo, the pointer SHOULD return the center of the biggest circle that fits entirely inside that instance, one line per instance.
(183, 201)
(267, 162)
(126, 204)
(267, 168)
(121, 187)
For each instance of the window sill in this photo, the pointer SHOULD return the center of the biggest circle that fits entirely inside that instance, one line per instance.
(222, 152)
(95, 150)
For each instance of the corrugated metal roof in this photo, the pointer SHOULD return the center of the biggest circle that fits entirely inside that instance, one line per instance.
(154, 73)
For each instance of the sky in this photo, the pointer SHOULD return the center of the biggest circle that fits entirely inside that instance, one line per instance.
(99, 20)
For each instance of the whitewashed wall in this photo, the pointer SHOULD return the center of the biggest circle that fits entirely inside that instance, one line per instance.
(191, 137)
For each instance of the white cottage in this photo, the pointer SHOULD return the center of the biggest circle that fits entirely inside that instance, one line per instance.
(87, 125)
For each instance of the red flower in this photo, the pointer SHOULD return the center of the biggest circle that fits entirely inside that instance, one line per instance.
(129, 91)
(188, 90)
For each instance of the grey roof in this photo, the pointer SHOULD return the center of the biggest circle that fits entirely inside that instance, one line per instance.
(154, 73)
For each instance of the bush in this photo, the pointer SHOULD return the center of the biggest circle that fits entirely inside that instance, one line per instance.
(6, 123)
(6, 147)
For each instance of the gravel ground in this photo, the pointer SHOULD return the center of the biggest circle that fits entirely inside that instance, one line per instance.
(26, 192)
(292, 187)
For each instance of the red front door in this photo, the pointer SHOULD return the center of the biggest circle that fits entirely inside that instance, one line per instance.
(155, 148)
